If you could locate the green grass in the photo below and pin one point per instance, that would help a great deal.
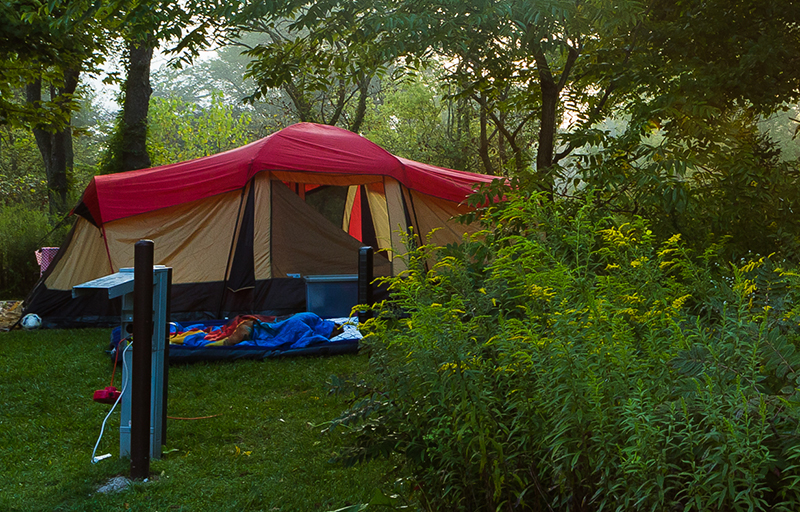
(264, 451)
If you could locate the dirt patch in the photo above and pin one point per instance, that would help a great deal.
(10, 313)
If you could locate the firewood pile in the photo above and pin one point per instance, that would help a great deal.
(10, 312)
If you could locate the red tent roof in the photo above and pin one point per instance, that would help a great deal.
(305, 147)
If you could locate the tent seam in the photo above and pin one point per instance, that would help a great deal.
(108, 252)
(236, 232)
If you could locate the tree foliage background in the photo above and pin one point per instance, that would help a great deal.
(622, 125)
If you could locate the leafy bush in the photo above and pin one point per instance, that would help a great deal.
(179, 130)
(567, 362)
(22, 177)
(22, 231)
(27, 189)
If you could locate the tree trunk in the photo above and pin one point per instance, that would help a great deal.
(462, 123)
(483, 147)
(547, 130)
(55, 145)
(361, 107)
(545, 155)
(520, 162)
(547, 133)
(300, 102)
(341, 99)
(135, 108)
(501, 141)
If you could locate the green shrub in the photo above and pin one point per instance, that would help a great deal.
(27, 189)
(564, 362)
(22, 231)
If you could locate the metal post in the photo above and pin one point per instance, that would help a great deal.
(166, 357)
(142, 353)
(365, 276)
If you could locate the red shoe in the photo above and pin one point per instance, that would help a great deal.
(108, 395)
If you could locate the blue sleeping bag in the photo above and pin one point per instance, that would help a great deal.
(297, 331)
(300, 334)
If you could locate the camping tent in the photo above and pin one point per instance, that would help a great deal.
(239, 227)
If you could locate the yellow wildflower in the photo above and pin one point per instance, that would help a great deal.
(680, 301)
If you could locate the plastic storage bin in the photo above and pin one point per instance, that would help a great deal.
(331, 296)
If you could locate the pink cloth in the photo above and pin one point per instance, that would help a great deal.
(44, 257)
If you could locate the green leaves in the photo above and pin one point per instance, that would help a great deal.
(321, 56)
(180, 131)
(21, 230)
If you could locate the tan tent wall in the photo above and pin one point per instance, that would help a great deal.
(380, 217)
(428, 213)
(262, 238)
(389, 220)
(85, 258)
(352, 190)
(193, 238)
(398, 225)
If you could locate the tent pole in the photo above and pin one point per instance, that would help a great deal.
(365, 276)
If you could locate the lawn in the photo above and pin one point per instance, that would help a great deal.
(264, 450)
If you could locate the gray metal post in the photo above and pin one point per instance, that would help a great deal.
(167, 315)
(142, 354)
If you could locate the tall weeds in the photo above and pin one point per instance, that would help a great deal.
(560, 361)
(22, 231)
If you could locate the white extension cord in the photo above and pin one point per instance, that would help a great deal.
(95, 460)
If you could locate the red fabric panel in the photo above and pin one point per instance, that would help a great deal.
(439, 181)
(322, 148)
(307, 147)
(355, 218)
(116, 196)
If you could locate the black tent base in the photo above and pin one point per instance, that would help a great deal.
(189, 303)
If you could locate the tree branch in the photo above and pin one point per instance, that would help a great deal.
(572, 56)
